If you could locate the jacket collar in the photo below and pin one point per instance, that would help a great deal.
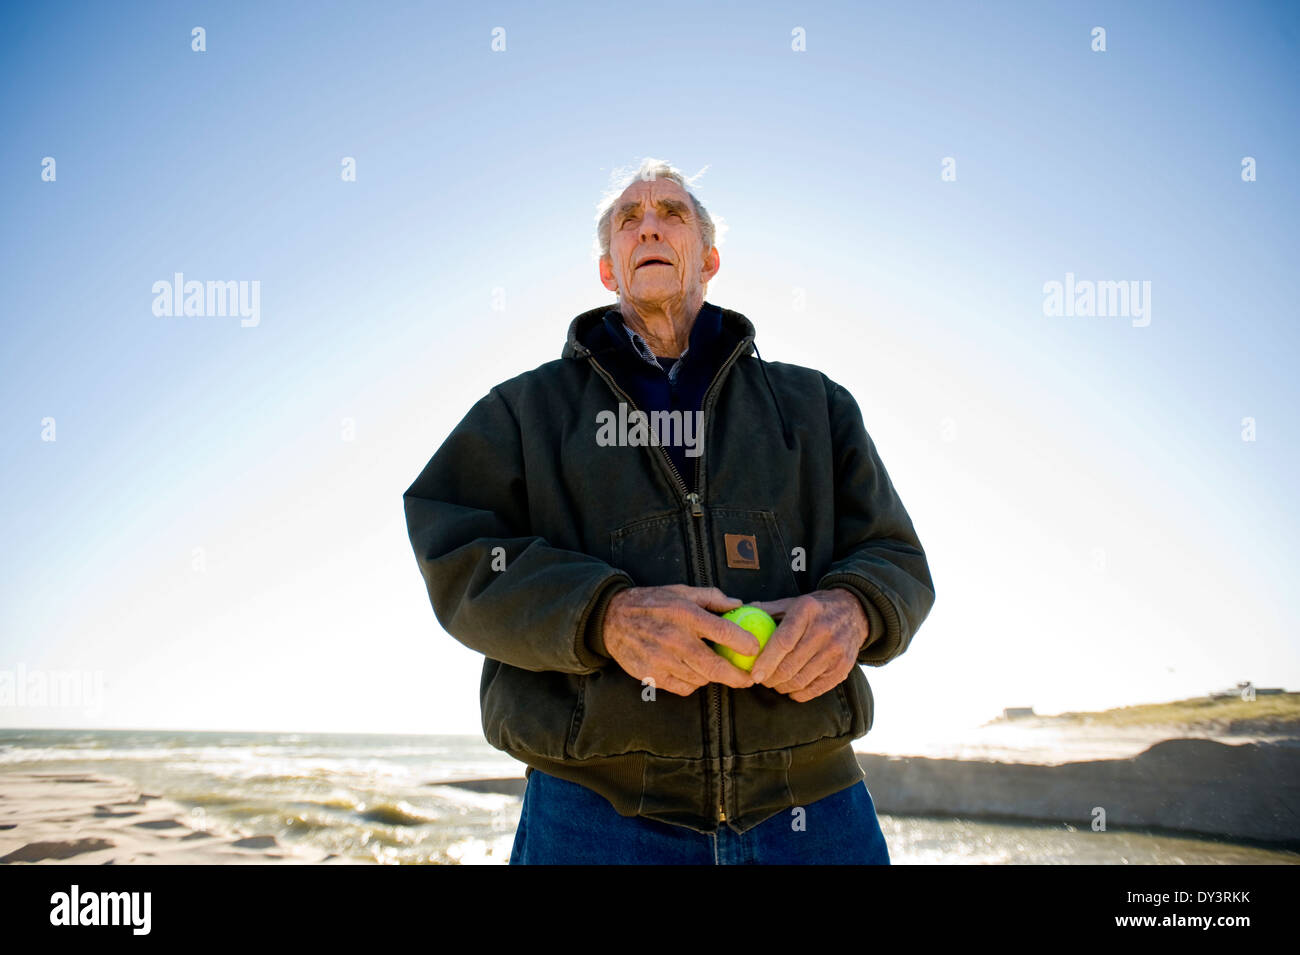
(586, 337)
(589, 336)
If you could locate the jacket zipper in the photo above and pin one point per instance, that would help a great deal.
(695, 500)
(713, 687)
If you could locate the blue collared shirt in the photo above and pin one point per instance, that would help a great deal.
(644, 351)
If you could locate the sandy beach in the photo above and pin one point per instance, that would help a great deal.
(89, 819)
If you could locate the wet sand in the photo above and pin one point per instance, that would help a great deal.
(89, 819)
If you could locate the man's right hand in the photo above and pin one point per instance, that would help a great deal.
(659, 632)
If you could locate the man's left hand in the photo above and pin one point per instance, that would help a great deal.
(816, 645)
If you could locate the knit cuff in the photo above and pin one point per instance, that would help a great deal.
(875, 621)
(595, 635)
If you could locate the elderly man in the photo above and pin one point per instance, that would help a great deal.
(589, 563)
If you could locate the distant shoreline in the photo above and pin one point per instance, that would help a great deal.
(1271, 714)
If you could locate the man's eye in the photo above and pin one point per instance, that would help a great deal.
(676, 213)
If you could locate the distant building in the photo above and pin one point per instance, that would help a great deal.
(1244, 689)
(1017, 712)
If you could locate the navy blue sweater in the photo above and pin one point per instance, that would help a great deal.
(650, 387)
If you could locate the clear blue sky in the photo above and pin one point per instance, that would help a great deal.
(1098, 531)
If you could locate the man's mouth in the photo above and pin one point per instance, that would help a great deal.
(654, 261)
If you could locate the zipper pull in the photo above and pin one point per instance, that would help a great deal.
(722, 816)
(694, 499)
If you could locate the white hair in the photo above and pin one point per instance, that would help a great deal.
(647, 170)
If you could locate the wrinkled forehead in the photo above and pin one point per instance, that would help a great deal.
(652, 190)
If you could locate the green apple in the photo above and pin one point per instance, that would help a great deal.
(756, 622)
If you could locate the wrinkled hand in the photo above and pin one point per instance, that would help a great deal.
(659, 633)
(816, 645)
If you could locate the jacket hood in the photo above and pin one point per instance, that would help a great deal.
(583, 341)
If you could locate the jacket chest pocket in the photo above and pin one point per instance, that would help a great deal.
(750, 555)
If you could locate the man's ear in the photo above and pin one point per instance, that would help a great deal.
(607, 278)
(712, 262)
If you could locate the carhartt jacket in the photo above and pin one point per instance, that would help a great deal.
(524, 525)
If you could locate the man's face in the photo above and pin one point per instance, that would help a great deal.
(656, 256)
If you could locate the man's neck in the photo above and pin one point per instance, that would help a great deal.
(666, 329)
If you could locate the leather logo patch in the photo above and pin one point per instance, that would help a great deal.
(742, 551)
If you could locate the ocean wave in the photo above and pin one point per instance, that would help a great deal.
(399, 813)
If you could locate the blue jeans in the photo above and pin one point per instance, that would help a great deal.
(563, 823)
